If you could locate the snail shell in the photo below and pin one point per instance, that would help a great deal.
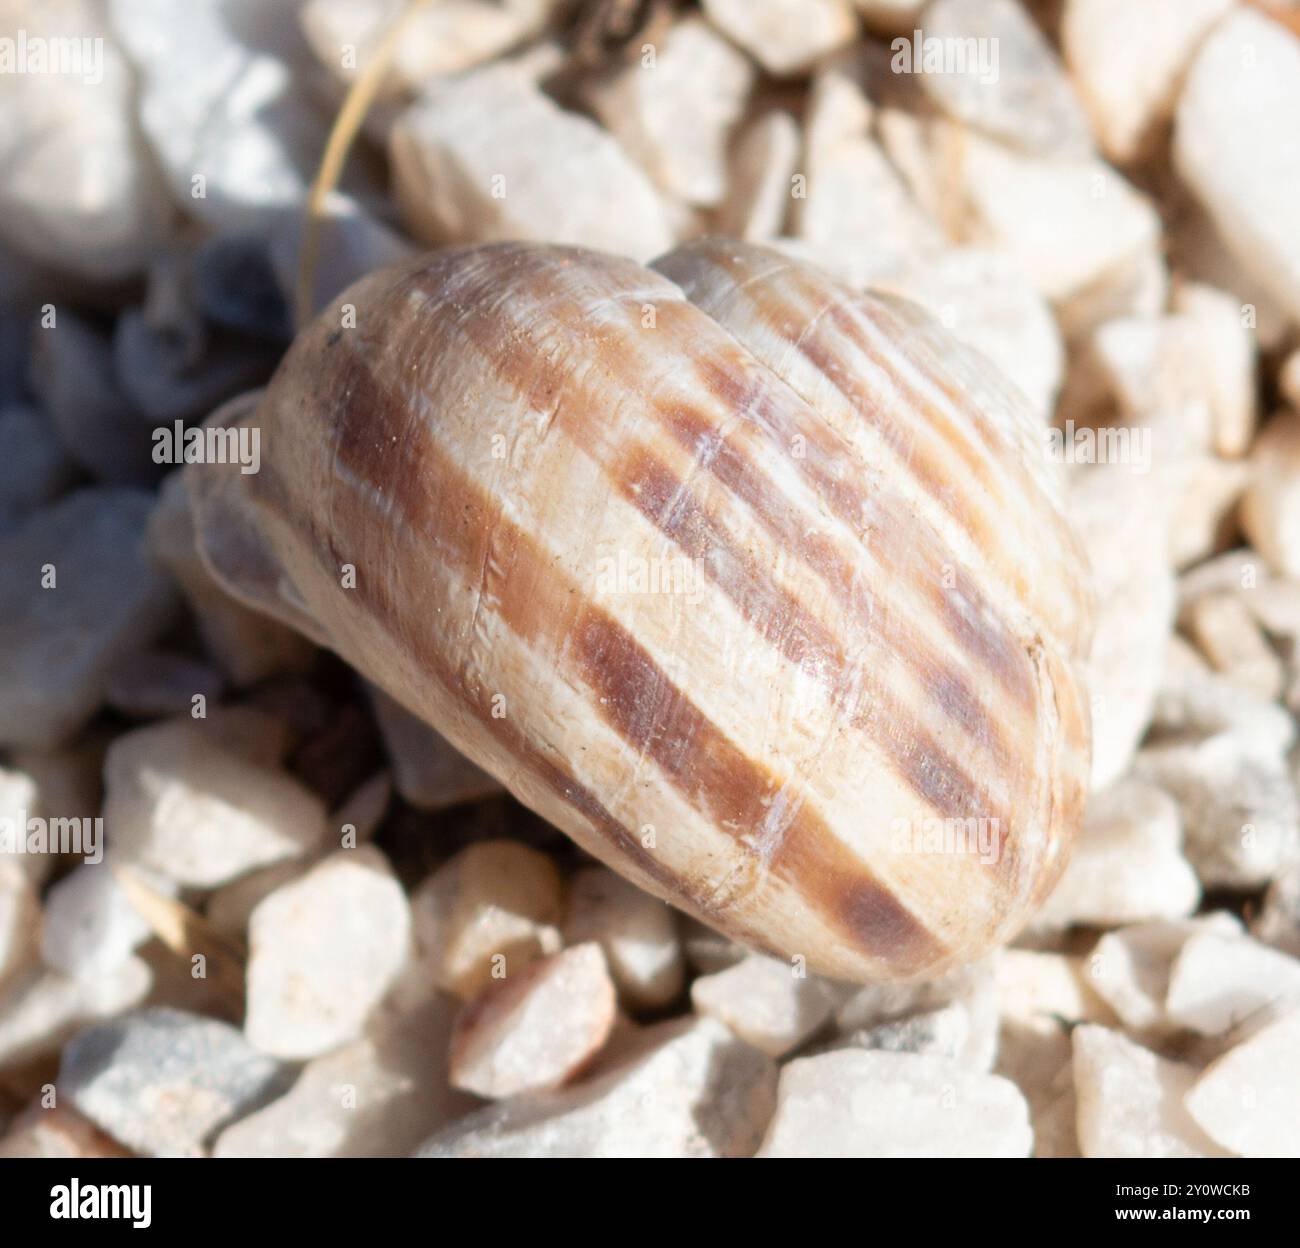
(850, 729)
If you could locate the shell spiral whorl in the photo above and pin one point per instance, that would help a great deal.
(757, 587)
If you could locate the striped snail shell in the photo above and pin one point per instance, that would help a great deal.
(844, 722)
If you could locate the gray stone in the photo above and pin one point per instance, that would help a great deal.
(59, 645)
(428, 770)
(73, 375)
(163, 1081)
(34, 468)
(152, 683)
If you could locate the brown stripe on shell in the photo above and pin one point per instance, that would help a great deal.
(736, 791)
(803, 308)
(375, 592)
(637, 698)
(893, 539)
(943, 783)
(747, 387)
(916, 757)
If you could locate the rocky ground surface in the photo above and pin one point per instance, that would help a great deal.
(313, 929)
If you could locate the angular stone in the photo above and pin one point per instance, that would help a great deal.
(76, 597)
(878, 1003)
(184, 803)
(1219, 983)
(1042, 990)
(34, 468)
(376, 1097)
(323, 951)
(234, 135)
(1227, 351)
(1226, 632)
(763, 161)
(494, 906)
(1203, 518)
(673, 110)
(784, 36)
(1128, 60)
(1241, 820)
(689, 1088)
(955, 1017)
(79, 192)
(1135, 285)
(1157, 372)
(428, 770)
(874, 1104)
(91, 926)
(446, 38)
(1069, 224)
(153, 683)
(489, 157)
(1199, 253)
(852, 185)
(1135, 596)
(162, 1081)
(1128, 865)
(1130, 1101)
(1130, 968)
(42, 1008)
(51, 784)
(637, 932)
(1270, 508)
(853, 194)
(1196, 707)
(1248, 1100)
(535, 1029)
(1234, 145)
(768, 1003)
(1022, 97)
(945, 1033)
